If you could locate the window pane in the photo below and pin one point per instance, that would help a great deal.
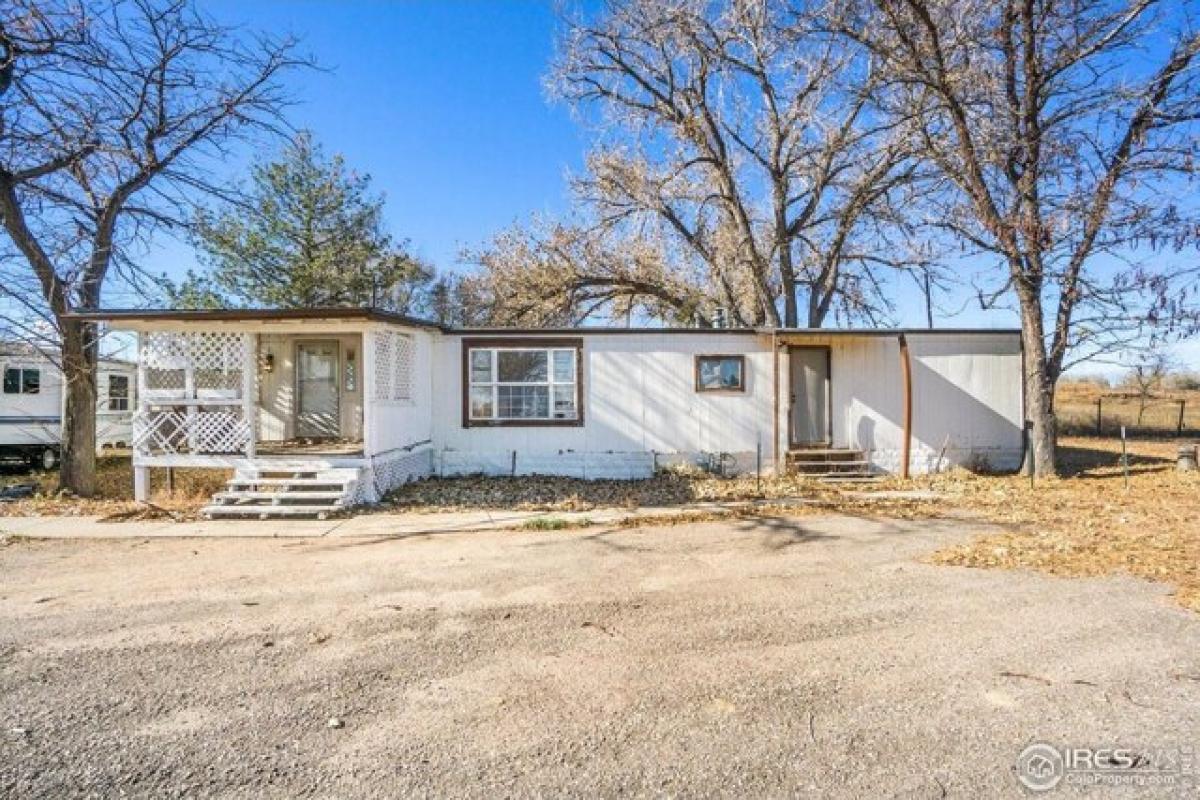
(481, 366)
(564, 401)
(720, 373)
(118, 392)
(31, 381)
(481, 403)
(524, 402)
(12, 381)
(522, 366)
(564, 366)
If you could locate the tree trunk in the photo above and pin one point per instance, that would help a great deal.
(77, 473)
(1039, 400)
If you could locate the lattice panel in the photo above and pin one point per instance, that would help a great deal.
(385, 474)
(215, 360)
(170, 431)
(394, 354)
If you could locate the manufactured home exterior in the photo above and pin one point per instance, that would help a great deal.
(360, 401)
(31, 405)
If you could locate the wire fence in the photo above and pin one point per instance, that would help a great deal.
(1104, 416)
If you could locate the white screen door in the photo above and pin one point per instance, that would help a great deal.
(317, 390)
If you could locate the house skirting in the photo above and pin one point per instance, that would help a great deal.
(588, 464)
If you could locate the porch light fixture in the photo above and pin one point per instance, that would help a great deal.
(269, 362)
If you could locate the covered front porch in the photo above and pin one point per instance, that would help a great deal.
(283, 410)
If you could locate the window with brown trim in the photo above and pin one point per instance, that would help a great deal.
(718, 373)
(522, 382)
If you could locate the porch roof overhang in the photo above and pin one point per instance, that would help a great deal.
(246, 318)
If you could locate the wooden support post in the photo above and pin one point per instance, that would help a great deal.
(906, 374)
(141, 484)
(1099, 416)
(1179, 424)
(249, 382)
(775, 460)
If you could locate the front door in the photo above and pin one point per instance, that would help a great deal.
(317, 414)
(809, 367)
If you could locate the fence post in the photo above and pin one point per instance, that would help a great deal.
(1099, 415)
(1179, 425)
(758, 467)
(1124, 458)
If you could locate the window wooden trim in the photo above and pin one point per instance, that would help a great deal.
(532, 342)
(741, 389)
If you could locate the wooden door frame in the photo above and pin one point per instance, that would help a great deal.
(337, 381)
(828, 396)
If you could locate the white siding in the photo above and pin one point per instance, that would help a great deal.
(399, 432)
(966, 398)
(639, 401)
(277, 388)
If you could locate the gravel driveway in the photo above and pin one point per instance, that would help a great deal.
(759, 658)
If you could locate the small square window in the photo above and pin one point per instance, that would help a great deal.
(12, 380)
(720, 373)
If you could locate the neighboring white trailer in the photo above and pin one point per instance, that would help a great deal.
(31, 406)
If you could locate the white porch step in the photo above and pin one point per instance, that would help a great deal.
(271, 489)
(284, 482)
(339, 494)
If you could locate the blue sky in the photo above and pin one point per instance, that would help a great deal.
(442, 103)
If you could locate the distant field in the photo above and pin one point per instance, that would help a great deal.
(1076, 404)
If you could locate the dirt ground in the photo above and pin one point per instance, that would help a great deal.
(770, 657)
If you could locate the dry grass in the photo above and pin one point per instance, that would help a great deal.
(114, 492)
(1084, 523)
(1088, 523)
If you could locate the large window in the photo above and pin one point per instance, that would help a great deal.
(522, 382)
(19, 380)
(118, 392)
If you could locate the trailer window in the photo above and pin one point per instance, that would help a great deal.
(118, 392)
(522, 382)
(22, 381)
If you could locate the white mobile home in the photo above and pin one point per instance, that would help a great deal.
(348, 403)
(31, 405)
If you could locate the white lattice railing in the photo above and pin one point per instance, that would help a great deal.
(191, 429)
(197, 393)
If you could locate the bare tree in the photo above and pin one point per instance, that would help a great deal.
(111, 116)
(1149, 376)
(552, 273)
(748, 137)
(1062, 138)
